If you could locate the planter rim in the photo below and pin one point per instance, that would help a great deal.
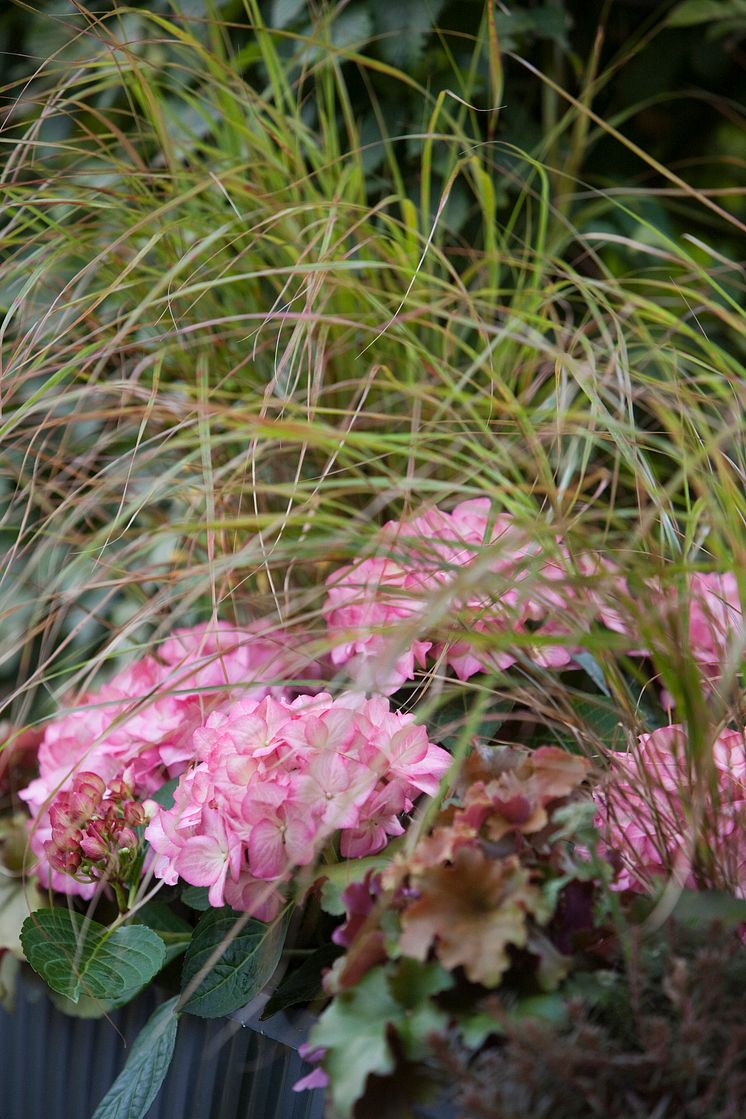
(289, 1028)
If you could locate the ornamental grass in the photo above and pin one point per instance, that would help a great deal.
(372, 512)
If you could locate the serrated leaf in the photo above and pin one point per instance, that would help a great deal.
(245, 965)
(355, 1028)
(75, 956)
(413, 985)
(304, 983)
(140, 1080)
(352, 28)
(594, 714)
(602, 719)
(196, 897)
(471, 913)
(544, 22)
(404, 29)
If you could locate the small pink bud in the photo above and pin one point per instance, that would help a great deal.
(66, 839)
(109, 812)
(90, 784)
(68, 862)
(126, 839)
(82, 806)
(98, 828)
(134, 814)
(93, 847)
(120, 790)
(60, 816)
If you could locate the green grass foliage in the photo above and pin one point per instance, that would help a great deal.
(238, 334)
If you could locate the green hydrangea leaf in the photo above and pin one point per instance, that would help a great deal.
(196, 898)
(76, 956)
(139, 1082)
(173, 930)
(245, 964)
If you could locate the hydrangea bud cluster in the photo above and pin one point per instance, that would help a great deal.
(93, 836)
(277, 781)
(650, 823)
(379, 610)
(138, 728)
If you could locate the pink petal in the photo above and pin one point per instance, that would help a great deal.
(201, 860)
(267, 855)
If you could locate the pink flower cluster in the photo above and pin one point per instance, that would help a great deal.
(714, 619)
(138, 728)
(379, 609)
(648, 820)
(385, 613)
(277, 780)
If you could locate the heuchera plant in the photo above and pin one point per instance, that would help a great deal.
(229, 774)
(491, 897)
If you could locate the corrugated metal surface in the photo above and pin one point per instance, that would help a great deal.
(56, 1067)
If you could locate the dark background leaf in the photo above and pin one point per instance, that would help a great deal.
(303, 984)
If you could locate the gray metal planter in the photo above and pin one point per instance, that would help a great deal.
(57, 1067)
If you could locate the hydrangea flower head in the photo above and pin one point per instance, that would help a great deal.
(383, 611)
(139, 727)
(715, 618)
(277, 780)
(645, 812)
(711, 623)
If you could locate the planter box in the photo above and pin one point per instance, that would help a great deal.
(57, 1067)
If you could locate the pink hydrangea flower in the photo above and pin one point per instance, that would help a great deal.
(139, 727)
(365, 603)
(715, 619)
(382, 612)
(276, 780)
(645, 812)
